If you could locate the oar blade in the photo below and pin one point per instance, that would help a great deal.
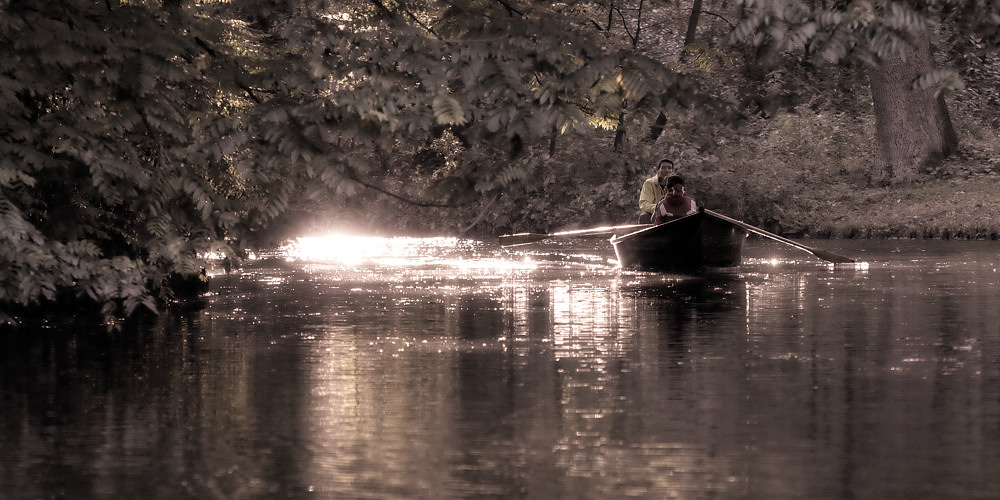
(830, 256)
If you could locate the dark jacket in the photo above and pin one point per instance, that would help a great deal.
(673, 206)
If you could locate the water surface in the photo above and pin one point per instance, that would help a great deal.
(446, 368)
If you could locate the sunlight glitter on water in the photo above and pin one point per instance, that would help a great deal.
(400, 251)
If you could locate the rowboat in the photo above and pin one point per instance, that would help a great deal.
(705, 239)
(698, 241)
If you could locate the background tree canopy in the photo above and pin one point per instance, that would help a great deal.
(138, 136)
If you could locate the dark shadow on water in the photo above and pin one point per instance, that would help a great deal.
(681, 313)
(480, 317)
(686, 296)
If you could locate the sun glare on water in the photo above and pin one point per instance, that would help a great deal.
(353, 250)
(349, 250)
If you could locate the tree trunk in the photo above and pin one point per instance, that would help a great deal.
(912, 125)
(692, 28)
(689, 37)
(619, 144)
(638, 25)
(657, 128)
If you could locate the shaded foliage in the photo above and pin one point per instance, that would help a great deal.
(140, 135)
(117, 163)
(893, 39)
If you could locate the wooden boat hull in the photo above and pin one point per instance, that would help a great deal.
(701, 240)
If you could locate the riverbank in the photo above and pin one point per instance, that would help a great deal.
(769, 179)
(958, 200)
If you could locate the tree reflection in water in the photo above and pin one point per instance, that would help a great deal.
(463, 371)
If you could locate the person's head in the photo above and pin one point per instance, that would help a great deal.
(675, 184)
(663, 168)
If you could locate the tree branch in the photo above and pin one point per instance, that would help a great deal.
(385, 10)
(628, 32)
(510, 8)
(482, 213)
(720, 16)
(400, 197)
(246, 88)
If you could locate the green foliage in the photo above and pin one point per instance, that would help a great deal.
(867, 30)
(138, 136)
(796, 171)
(708, 59)
(117, 143)
(893, 39)
(505, 80)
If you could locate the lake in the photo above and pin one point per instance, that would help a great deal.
(349, 367)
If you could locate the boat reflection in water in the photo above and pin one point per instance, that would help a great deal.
(450, 368)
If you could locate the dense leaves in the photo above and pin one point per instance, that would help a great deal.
(893, 39)
(138, 136)
(869, 31)
(120, 150)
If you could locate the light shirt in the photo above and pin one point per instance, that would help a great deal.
(651, 193)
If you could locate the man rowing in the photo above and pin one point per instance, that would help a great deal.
(652, 191)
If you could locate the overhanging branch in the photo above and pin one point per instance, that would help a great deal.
(401, 197)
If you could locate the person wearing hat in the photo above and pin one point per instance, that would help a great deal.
(675, 202)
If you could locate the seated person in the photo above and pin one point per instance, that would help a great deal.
(675, 202)
(653, 190)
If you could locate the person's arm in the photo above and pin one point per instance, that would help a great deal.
(647, 197)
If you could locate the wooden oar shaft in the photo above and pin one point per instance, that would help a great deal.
(523, 238)
(818, 252)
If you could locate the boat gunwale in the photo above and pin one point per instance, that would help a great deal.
(616, 238)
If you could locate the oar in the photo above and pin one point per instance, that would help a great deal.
(522, 238)
(818, 252)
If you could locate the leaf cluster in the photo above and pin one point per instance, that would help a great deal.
(867, 31)
(139, 136)
(119, 149)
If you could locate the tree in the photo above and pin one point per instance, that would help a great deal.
(692, 27)
(120, 127)
(503, 78)
(912, 121)
(893, 39)
(140, 135)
